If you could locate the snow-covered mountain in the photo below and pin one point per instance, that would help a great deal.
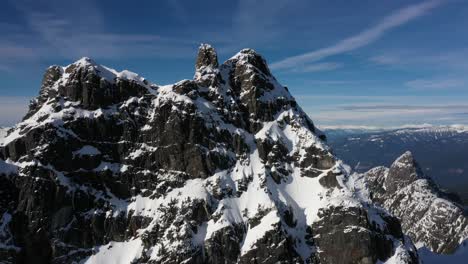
(442, 151)
(108, 167)
(429, 216)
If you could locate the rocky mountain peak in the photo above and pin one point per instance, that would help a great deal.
(88, 65)
(89, 83)
(206, 57)
(225, 168)
(406, 158)
(431, 217)
(84, 62)
(403, 171)
(52, 74)
(206, 67)
(251, 57)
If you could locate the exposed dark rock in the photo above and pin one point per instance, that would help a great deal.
(275, 247)
(207, 57)
(329, 180)
(347, 235)
(207, 170)
(224, 245)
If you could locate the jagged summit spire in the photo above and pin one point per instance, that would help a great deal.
(405, 160)
(404, 171)
(206, 66)
(406, 155)
(206, 57)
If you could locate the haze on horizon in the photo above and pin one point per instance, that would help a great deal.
(356, 63)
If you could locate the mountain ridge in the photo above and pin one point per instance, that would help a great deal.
(224, 168)
(456, 127)
(440, 150)
(405, 191)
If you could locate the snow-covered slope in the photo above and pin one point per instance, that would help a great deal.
(107, 167)
(429, 216)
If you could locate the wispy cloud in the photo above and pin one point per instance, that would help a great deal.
(435, 84)
(379, 110)
(73, 40)
(362, 39)
(453, 59)
(9, 50)
(390, 115)
(341, 82)
(253, 23)
(318, 67)
(385, 59)
(59, 30)
(402, 107)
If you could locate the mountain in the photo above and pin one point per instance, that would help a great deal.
(442, 151)
(107, 167)
(428, 215)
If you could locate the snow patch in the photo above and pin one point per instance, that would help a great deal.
(257, 232)
(117, 253)
(87, 150)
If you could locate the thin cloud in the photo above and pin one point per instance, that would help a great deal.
(386, 115)
(398, 18)
(58, 30)
(318, 67)
(13, 51)
(403, 107)
(83, 42)
(386, 59)
(254, 23)
(378, 110)
(441, 84)
(378, 128)
(449, 59)
(338, 82)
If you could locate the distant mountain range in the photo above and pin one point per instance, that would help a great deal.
(442, 151)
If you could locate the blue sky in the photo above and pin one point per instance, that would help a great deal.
(379, 63)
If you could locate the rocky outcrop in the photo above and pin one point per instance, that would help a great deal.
(352, 235)
(207, 58)
(224, 168)
(431, 217)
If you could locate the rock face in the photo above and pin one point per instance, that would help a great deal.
(429, 216)
(226, 168)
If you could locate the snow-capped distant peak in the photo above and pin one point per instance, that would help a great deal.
(400, 130)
